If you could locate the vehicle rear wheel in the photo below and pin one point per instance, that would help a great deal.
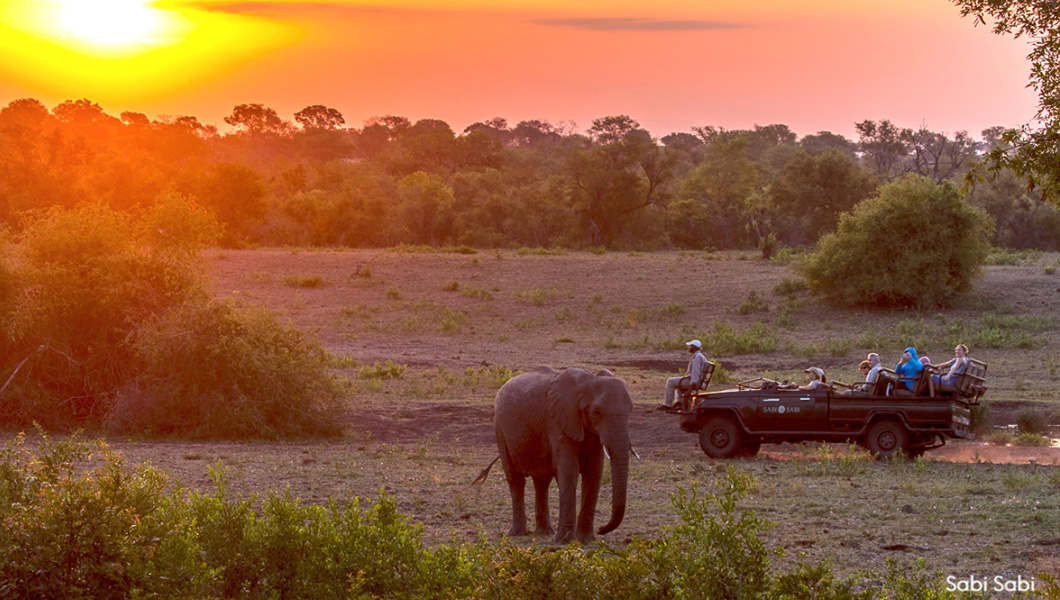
(720, 438)
(886, 438)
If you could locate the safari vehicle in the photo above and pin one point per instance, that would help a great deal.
(886, 417)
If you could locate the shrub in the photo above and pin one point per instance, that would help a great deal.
(716, 551)
(106, 531)
(1029, 420)
(210, 369)
(85, 279)
(113, 326)
(789, 287)
(917, 244)
(390, 370)
(753, 303)
(726, 340)
(1031, 439)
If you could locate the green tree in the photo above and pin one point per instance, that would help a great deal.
(425, 209)
(884, 146)
(823, 141)
(236, 194)
(319, 116)
(916, 244)
(812, 191)
(612, 183)
(712, 210)
(1032, 153)
(937, 156)
(257, 119)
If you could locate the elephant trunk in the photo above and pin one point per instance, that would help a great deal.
(619, 450)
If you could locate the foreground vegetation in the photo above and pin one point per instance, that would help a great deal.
(74, 528)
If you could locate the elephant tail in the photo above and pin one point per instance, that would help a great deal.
(485, 472)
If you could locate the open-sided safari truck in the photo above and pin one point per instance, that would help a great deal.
(887, 416)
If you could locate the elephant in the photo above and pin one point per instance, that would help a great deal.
(557, 424)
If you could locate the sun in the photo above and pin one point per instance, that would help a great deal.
(111, 23)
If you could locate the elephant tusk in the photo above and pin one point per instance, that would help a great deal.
(606, 453)
(633, 451)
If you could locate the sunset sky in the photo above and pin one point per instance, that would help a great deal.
(670, 64)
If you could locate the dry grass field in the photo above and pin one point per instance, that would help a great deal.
(454, 326)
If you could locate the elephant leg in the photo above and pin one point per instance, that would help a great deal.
(592, 463)
(517, 488)
(567, 480)
(541, 518)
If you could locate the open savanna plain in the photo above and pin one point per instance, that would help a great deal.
(424, 340)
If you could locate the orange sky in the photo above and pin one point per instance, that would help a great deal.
(670, 64)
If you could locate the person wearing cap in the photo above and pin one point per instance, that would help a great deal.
(695, 371)
(816, 378)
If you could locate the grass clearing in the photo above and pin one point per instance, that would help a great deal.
(966, 509)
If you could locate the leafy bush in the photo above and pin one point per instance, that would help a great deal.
(107, 322)
(239, 374)
(753, 303)
(67, 531)
(81, 281)
(726, 340)
(917, 244)
(789, 287)
(1031, 439)
(1030, 420)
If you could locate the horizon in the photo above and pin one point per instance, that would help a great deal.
(817, 65)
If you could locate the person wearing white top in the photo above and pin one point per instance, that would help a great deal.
(694, 373)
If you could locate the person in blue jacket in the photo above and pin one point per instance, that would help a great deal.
(909, 367)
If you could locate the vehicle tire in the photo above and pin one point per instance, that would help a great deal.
(886, 438)
(749, 449)
(720, 438)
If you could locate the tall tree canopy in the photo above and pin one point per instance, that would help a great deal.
(1033, 153)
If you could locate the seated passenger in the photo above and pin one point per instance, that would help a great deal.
(816, 379)
(956, 365)
(908, 368)
(865, 367)
(874, 368)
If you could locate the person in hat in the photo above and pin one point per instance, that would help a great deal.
(815, 379)
(694, 373)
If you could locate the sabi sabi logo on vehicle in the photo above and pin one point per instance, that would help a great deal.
(997, 583)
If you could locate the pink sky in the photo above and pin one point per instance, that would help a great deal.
(670, 64)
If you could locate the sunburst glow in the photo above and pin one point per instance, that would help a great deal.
(109, 22)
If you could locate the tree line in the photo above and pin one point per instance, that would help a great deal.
(315, 181)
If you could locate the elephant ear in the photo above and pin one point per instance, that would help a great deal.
(568, 399)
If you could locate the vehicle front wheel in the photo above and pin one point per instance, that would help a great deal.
(886, 438)
(720, 438)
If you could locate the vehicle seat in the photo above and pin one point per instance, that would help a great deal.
(701, 386)
(971, 382)
(885, 382)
